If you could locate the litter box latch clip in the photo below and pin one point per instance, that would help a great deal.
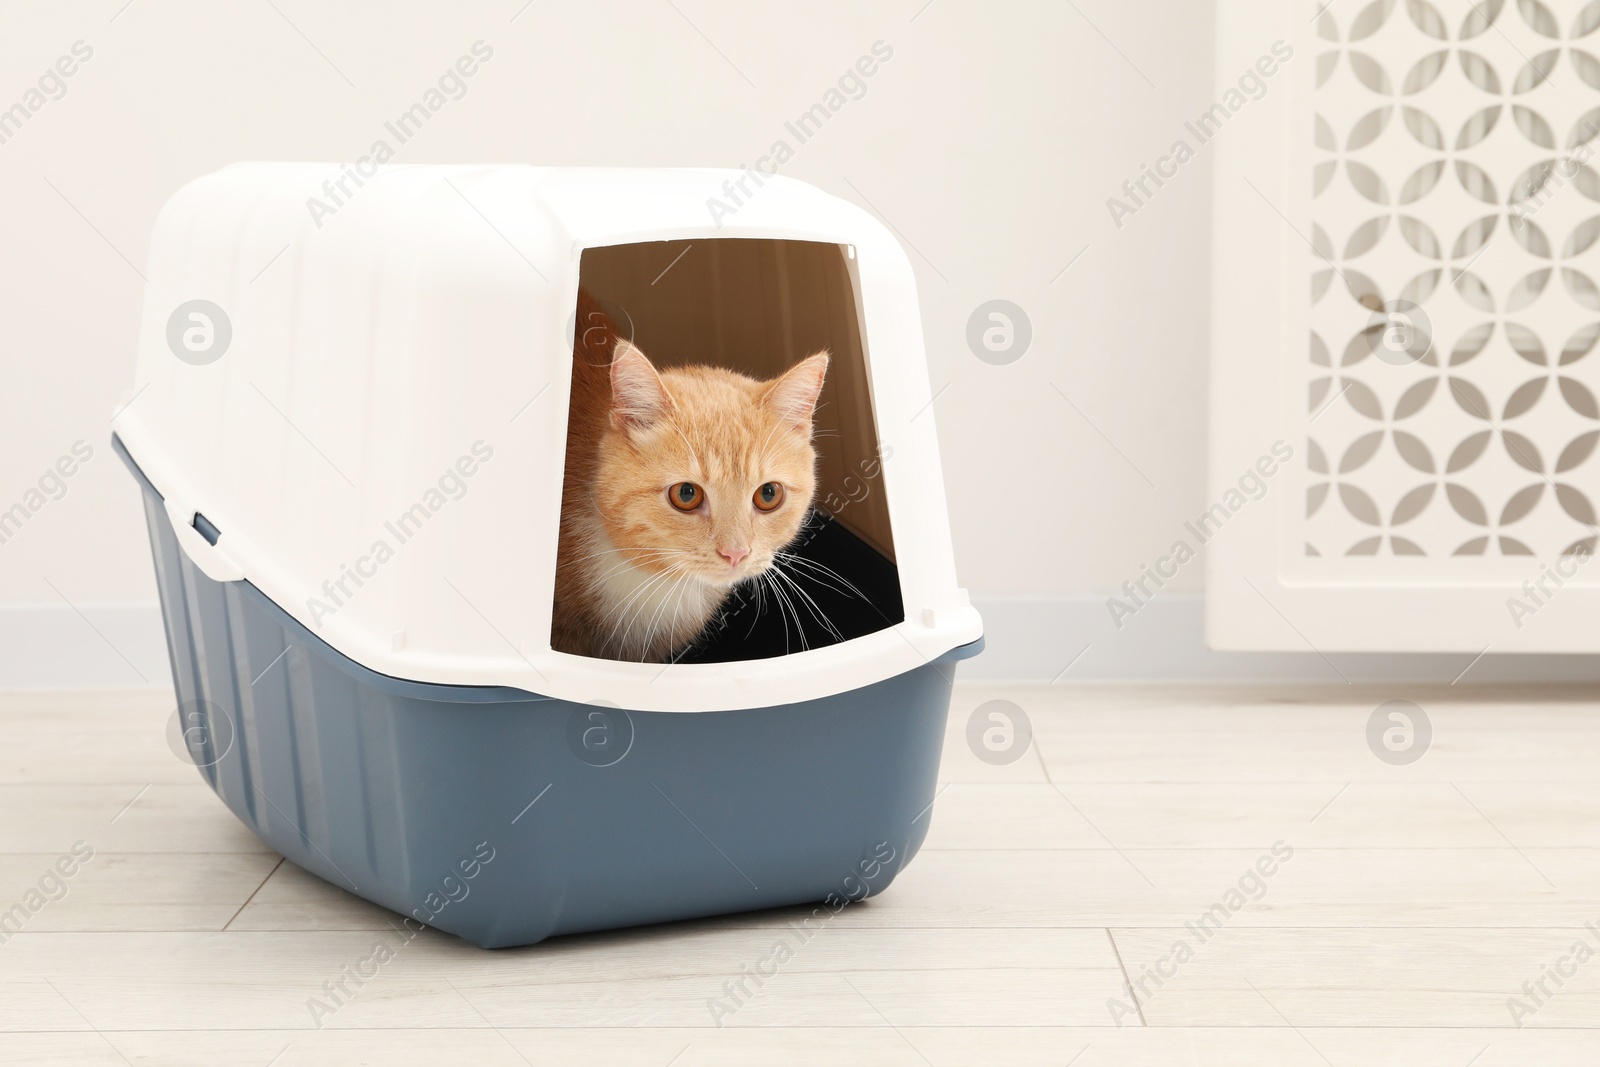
(202, 542)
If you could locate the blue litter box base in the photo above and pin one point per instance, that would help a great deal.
(504, 817)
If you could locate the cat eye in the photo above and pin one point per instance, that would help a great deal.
(768, 497)
(686, 496)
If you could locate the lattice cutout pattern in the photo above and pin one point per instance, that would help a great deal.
(1455, 290)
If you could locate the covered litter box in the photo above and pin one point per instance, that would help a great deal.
(349, 426)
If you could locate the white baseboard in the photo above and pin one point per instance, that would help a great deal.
(87, 646)
(1029, 639)
(1035, 638)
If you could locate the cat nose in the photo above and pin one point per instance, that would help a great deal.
(733, 555)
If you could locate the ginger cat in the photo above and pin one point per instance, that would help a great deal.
(680, 484)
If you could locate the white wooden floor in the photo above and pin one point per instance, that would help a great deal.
(1417, 902)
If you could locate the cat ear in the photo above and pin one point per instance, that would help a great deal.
(638, 399)
(794, 395)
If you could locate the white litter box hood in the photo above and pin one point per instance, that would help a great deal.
(421, 330)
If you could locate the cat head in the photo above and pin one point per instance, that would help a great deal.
(705, 472)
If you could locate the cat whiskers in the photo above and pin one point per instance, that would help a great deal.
(625, 563)
(679, 605)
(794, 609)
(614, 550)
(786, 610)
(811, 605)
(622, 559)
(677, 612)
(761, 606)
(821, 573)
(625, 612)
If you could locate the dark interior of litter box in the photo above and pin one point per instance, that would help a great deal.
(759, 307)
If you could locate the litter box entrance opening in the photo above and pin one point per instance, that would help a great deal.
(759, 307)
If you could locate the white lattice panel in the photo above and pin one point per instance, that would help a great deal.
(1407, 292)
(1452, 384)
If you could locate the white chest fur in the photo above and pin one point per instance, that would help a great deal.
(646, 614)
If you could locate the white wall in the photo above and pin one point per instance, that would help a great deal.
(990, 141)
